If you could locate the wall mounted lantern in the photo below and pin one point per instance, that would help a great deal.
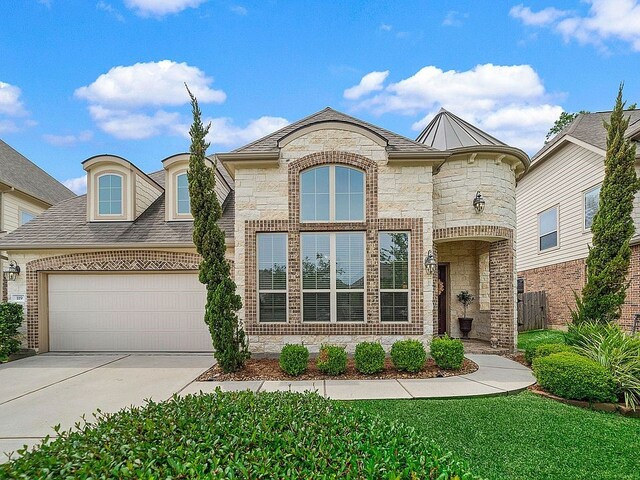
(430, 263)
(11, 273)
(478, 202)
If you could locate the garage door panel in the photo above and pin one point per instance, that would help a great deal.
(127, 312)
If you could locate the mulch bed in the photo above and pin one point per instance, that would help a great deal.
(602, 407)
(269, 369)
(517, 357)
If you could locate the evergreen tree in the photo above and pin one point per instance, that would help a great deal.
(229, 340)
(609, 257)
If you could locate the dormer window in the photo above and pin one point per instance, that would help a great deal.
(332, 193)
(110, 194)
(183, 205)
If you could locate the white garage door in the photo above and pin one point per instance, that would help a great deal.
(154, 312)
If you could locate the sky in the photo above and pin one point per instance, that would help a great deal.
(85, 77)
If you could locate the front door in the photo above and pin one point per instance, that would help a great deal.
(442, 299)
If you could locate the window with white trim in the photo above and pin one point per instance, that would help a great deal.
(110, 194)
(183, 201)
(272, 277)
(26, 217)
(333, 276)
(394, 276)
(591, 204)
(548, 229)
(332, 193)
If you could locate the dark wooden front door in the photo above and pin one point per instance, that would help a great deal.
(442, 299)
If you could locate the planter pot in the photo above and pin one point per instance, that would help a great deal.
(465, 326)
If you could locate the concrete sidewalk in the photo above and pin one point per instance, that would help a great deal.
(495, 376)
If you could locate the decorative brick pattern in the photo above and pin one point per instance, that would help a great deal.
(126, 261)
(371, 226)
(481, 232)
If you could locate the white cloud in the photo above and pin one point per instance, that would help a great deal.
(605, 21)
(77, 185)
(543, 17)
(128, 125)
(160, 8)
(371, 82)
(107, 7)
(68, 140)
(8, 126)
(454, 18)
(10, 103)
(509, 102)
(224, 132)
(239, 10)
(153, 83)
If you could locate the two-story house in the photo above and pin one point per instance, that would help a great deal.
(337, 230)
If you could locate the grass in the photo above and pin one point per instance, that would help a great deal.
(524, 436)
(533, 338)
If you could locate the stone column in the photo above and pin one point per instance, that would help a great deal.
(502, 293)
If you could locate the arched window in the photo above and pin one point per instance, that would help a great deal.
(332, 193)
(183, 202)
(110, 194)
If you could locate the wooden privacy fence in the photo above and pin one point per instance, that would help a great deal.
(532, 311)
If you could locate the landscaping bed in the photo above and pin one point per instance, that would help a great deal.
(269, 369)
(599, 406)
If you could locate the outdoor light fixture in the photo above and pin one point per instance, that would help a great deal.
(478, 202)
(430, 263)
(12, 271)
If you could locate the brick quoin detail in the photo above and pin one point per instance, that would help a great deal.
(501, 276)
(125, 261)
(371, 226)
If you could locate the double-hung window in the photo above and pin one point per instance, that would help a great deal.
(272, 277)
(333, 276)
(394, 276)
(332, 193)
(548, 229)
(591, 203)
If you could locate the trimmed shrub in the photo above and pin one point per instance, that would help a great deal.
(294, 359)
(369, 357)
(408, 355)
(575, 377)
(448, 353)
(544, 350)
(332, 360)
(240, 435)
(11, 315)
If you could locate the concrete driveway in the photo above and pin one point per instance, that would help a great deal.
(39, 392)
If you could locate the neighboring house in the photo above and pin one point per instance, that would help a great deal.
(556, 202)
(25, 192)
(328, 223)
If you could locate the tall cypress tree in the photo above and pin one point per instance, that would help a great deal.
(608, 260)
(229, 340)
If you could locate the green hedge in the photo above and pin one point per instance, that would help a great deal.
(448, 353)
(240, 435)
(369, 357)
(11, 315)
(575, 377)
(332, 360)
(294, 359)
(408, 355)
(544, 350)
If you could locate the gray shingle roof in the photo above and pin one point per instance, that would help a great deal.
(19, 172)
(65, 225)
(589, 128)
(396, 143)
(447, 131)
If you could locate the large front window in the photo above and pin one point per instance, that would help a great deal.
(394, 276)
(110, 195)
(272, 277)
(332, 193)
(333, 277)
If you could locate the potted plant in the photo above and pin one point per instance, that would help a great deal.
(466, 299)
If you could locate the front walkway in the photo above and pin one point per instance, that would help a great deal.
(495, 376)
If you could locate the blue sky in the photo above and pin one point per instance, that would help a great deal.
(83, 77)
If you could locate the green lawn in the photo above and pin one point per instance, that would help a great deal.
(524, 436)
(533, 338)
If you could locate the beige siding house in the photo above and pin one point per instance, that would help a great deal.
(330, 224)
(556, 201)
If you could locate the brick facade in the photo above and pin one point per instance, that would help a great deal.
(125, 261)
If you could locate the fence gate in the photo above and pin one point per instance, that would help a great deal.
(532, 311)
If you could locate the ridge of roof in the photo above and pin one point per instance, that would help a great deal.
(19, 172)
